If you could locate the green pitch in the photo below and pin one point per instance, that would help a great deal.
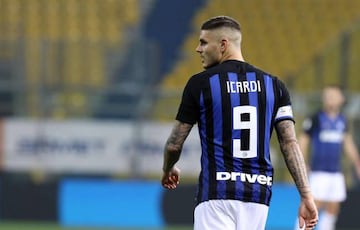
(53, 226)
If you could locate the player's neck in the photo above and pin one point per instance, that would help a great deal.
(332, 113)
(233, 56)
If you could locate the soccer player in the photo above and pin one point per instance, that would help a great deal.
(326, 132)
(236, 107)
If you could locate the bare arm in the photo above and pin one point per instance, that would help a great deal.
(294, 159)
(172, 151)
(293, 156)
(174, 144)
(352, 152)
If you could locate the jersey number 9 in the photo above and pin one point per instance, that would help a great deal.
(249, 124)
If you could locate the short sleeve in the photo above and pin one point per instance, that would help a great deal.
(284, 109)
(188, 111)
(309, 124)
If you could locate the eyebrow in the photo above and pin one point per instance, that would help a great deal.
(202, 40)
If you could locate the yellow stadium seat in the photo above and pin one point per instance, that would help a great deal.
(66, 41)
(280, 36)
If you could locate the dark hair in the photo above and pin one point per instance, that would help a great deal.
(220, 21)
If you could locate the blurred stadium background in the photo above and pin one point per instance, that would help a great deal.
(89, 88)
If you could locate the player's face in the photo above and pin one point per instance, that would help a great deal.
(209, 48)
(333, 99)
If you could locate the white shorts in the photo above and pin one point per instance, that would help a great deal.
(230, 215)
(327, 186)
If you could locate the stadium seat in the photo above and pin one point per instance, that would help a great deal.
(66, 42)
(280, 36)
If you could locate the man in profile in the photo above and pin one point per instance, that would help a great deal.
(236, 107)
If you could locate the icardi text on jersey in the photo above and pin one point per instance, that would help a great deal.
(236, 106)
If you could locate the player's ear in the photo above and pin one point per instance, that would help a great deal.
(224, 44)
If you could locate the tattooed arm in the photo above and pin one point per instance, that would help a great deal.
(172, 153)
(295, 163)
(292, 154)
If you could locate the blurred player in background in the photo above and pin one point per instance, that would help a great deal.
(236, 107)
(327, 135)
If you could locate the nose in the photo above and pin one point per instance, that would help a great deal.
(198, 49)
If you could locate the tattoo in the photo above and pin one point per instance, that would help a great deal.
(175, 143)
(292, 155)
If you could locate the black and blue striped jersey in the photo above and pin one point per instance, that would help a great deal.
(327, 136)
(235, 106)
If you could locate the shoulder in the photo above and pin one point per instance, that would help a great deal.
(343, 116)
(344, 120)
(199, 77)
(252, 68)
(195, 83)
(314, 117)
(269, 76)
(195, 80)
(311, 121)
(316, 114)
